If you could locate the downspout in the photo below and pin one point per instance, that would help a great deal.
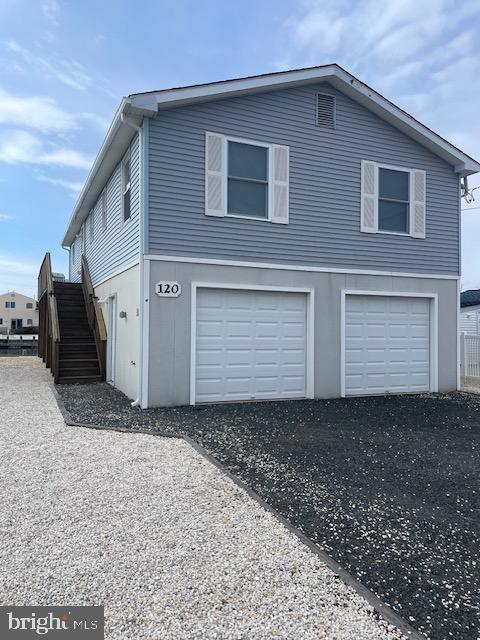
(67, 249)
(138, 401)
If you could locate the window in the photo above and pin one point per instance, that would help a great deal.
(84, 238)
(104, 208)
(1, 320)
(246, 179)
(73, 250)
(92, 224)
(30, 322)
(126, 187)
(10, 304)
(29, 305)
(393, 200)
(247, 188)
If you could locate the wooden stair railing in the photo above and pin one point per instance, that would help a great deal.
(95, 317)
(49, 329)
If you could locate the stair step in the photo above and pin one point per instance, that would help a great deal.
(73, 321)
(76, 345)
(78, 379)
(89, 353)
(79, 371)
(83, 360)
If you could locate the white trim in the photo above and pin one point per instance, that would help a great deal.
(145, 348)
(310, 321)
(297, 267)
(116, 273)
(112, 307)
(433, 297)
(342, 343)
(459, 376)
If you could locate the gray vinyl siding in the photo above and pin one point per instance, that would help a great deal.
(118, 245)
(324, 228)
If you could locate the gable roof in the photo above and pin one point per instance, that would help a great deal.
(147, 104)
(470, 298)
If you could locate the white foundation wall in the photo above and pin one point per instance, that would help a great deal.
(126, 287)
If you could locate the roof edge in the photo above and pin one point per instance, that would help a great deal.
(105, 161)
(335, 74)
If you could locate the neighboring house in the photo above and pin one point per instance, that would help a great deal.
(470, 312)
(289, 235)
(17, 311)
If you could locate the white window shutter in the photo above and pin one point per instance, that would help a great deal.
(280, 187)
(215, 174)
(417, 202)
(369, 204)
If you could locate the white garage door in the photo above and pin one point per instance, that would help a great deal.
(387, 344)
(249, 345)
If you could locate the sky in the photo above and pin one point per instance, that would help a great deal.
(65, 65)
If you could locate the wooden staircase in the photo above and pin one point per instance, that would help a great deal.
(72, 336)
(77, 358)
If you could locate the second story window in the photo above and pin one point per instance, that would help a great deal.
(10, 304)
(84, 238)
(126, 186)
(247, 190)
(246, 179)
(104, 208)
(73, 250)
(92, 225)
(29, 305)
(393, 200)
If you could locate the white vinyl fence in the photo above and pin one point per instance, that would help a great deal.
(470, 355)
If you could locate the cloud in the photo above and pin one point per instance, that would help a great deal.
(69, 72)
(74, 187)
(51, 10)
(23, 147)
(18, 275)
(37, 112)
(4, 217)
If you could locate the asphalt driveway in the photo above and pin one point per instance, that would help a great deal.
(389, 487)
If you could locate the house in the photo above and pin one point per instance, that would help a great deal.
(287, 235)
(469, 312)
(17, 311)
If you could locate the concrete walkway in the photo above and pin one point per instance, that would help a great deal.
(147, 527)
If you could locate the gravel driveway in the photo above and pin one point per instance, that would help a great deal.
(388, 486)
(149, 528)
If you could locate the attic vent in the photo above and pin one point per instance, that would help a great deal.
(325, 111)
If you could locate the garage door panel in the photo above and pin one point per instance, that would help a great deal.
(387, 344)
(250, 344)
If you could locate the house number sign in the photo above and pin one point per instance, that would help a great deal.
(168, 289)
